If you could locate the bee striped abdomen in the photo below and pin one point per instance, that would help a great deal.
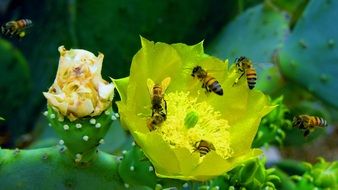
(24, 23)
(214, 86)
(318, 121)
(203, 147)
(251, 77)
(203, 150)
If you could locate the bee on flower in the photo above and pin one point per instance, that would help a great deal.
(245, 66)
(203, 147)
(159, 105)
(208, 82)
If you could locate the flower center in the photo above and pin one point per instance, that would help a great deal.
(191, 124)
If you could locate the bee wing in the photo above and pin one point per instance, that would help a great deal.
(212, 147)
(260, 67)
(150, 85)
(165, 83)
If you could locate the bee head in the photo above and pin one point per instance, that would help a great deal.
(239, 59)
(297, 122)
(195, 70)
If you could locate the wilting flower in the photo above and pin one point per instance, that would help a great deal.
(78, 89)
(224, 126)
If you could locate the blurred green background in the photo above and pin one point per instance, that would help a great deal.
(292, 43)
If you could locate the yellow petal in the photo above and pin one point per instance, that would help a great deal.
(207, 169)
(58, 101)
(121, 86)
(161, 155)
(243, 130)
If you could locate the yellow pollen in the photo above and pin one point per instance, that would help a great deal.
(189, 122)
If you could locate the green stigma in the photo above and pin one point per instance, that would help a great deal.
(191, 119)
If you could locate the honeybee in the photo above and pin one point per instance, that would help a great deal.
(208, 82)
(245, 66)
(308, 123)
(156, 119)
(203, 147)
(158, 103)
(17, 27)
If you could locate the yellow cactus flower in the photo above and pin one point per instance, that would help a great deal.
(203, 134)
(78, 89)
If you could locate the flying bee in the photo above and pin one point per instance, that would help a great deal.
(308, 123)
(208, 82)
(158, 103)
(203, 147)
(245, 66)
(17, 27)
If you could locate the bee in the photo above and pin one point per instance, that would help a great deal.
(17, 27)
(203, 147)
(156, 119)
(308, 123)
(208, 82)
(245, 66)
(158, 103)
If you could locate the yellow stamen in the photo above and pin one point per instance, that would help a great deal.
(189, 121)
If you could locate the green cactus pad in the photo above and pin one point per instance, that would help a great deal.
(83, 135)
(15, 84)
(256, 34)
(309, 57)
(136, 169)
(50, 168)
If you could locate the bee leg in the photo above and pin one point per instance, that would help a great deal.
(306, 132)
(13, 30)
(207, 91)
(241, 74)
(7, 32)
(206, 88)
(236, 81)
(165, 106)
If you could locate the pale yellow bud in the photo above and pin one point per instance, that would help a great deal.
(78, 89)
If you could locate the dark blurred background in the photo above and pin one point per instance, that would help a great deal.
(111, 27)
(275, 32)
